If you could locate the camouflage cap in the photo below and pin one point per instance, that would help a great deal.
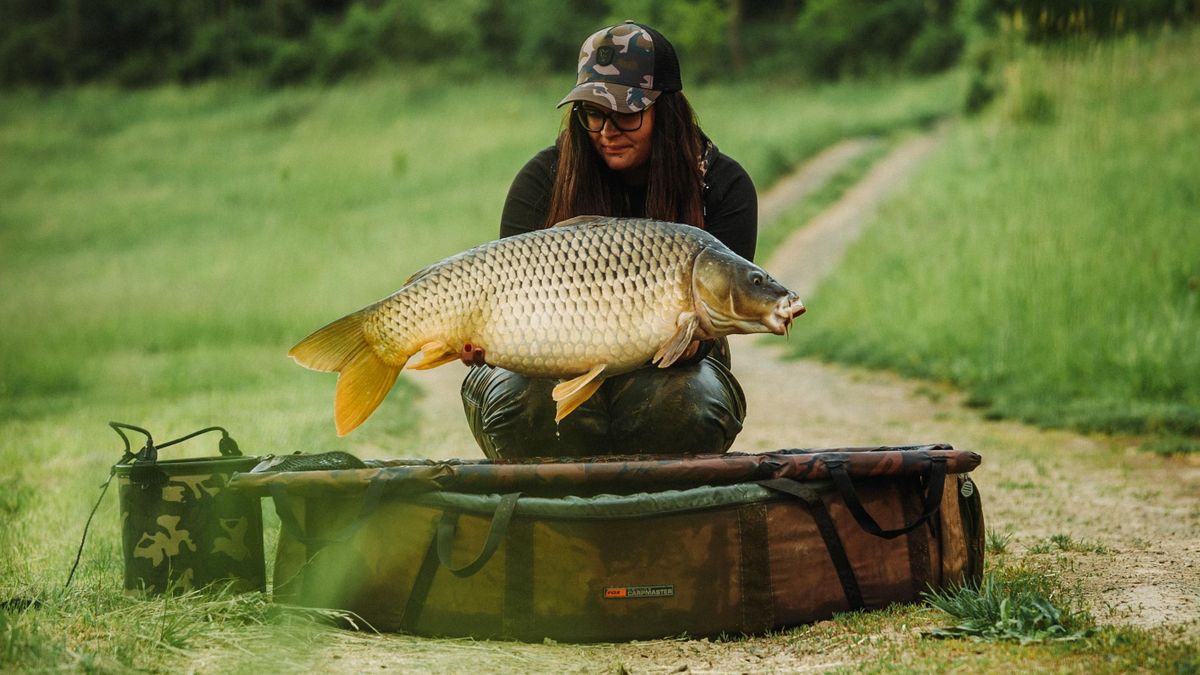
(624, 68)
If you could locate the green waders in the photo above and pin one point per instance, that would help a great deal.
(697, 408)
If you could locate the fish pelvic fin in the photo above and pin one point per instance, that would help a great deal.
(434, 354)
(364, 378)
(677, 344)
(571, 394)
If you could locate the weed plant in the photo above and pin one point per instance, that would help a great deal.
(1046, 259)
(1065, 542)
(996, 542)
(1014, 604)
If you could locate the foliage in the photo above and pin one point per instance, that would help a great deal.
(1044, 260)
(1046, 20)
(996, 542)
(145, 42)
(856, 37)
(1011, 605)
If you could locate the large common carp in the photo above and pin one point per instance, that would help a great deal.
(587, 299)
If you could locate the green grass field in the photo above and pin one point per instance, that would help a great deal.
(1048, 258)
(160, 251)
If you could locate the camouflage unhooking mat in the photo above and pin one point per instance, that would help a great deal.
(619, 548)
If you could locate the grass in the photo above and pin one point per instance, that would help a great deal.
(161, 249)
(1065, 542)
(1016, 605)
(996, 542)
(770, 235)
(1022, 617)
(1045, 259)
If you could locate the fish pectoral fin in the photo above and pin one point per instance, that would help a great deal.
(434, 354)
(678, 343)
(577, 220)
(362, 384)
(570, 394)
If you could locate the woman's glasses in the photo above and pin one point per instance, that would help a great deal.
(593, 119)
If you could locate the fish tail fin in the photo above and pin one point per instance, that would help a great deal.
(362, 384)
(364, 378)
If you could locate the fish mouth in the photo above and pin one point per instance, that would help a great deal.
(787, 309)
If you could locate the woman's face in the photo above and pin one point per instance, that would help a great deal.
(625, 151)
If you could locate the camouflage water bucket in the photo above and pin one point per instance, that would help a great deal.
(182, 527)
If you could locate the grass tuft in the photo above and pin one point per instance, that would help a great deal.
(1171, 445)
(1011, 605)
(1065, 542)
(997, 542)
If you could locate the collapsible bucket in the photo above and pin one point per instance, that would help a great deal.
(181, 526)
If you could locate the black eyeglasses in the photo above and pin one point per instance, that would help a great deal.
(593, 119)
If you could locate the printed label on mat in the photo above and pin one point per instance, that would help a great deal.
(624, 592)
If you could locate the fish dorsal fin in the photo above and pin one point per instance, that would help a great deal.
(571, 394)
(419, 273)
(678, 343)
(578, 220)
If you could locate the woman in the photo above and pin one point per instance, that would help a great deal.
(630, 147)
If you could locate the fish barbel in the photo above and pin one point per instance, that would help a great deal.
(584, 300)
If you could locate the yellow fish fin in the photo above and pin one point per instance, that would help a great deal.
(570, 394)
(364, 378)
(577, 220)
(434, 354)
(361, 386)
(678, 343)
(330, 348)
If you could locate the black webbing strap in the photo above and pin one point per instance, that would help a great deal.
(518, 619)
(449, 523)
(420, 590)
(758, 607)
(833, 543)
(920, 568)
(287, 515)
(933, 497)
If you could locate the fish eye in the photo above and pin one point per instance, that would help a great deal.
(757, 279)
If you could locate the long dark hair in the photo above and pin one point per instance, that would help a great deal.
(584, 185)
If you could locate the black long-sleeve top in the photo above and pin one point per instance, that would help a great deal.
(730, 201)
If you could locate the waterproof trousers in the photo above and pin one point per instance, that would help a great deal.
(696, 408)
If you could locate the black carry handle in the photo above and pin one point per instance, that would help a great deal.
(933, 497)
(149, 453)
(287, 515)
(829, 534)
(449, 522)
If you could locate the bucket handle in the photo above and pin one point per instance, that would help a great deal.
(449, 523)
(149, 453)
(932, 500)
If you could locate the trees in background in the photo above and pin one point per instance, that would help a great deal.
(143, 42)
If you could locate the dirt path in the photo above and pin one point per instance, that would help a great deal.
(1133, 519)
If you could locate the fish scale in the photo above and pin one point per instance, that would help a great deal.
(587, 299)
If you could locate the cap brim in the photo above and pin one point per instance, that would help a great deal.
(616, 97)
